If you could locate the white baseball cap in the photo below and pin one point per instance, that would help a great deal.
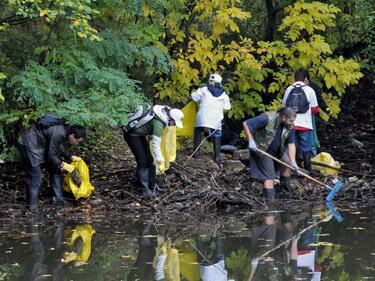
(216, 78)
(177, 115)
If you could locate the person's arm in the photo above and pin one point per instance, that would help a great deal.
(286, 94)
(292, 152)
(57, 142)
(247, 131)
(157, 133)
(252, 125)
(313, 102)
(197, 95)
(227, 106)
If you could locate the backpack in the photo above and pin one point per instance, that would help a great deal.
(297, 99)
(48, 120)
(143, 115)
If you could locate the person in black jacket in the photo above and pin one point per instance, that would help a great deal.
(42, 146)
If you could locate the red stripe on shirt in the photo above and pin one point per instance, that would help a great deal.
(299, 128)
(315, 110)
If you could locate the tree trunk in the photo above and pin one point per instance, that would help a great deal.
(271, 21)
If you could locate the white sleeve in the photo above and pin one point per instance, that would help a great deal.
(196, 96)
(156, 141)
(227, 105)
(159, 270)
(286, 95)
(313, 100)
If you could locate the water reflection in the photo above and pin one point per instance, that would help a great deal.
(286, 251)
(290, 244)
(42, 262)
(147, 242)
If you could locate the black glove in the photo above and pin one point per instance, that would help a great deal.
(76, 177)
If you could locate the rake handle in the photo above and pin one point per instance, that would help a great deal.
(290, 167)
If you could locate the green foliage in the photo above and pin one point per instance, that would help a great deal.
(238, 265)
(256, 74)
(309, 17)
(303, 48)
(76, 83)
(93, 61)
(2, 77)
(77, 13)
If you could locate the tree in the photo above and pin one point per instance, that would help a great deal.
(256, 73)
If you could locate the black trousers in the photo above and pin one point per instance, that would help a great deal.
(146, 170)
(34, 177)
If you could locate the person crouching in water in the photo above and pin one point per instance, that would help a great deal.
(149, 122)
(213, 101)
(274, 133)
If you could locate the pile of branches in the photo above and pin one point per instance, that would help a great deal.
(200, 186)
(193, 187)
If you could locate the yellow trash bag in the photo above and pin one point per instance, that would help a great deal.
(325, 158)
(167, 146)
(189, 265)
(190, 114)
(172, 265)
(85, 232)
(83, 191)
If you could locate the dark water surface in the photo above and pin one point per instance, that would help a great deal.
(294, 244)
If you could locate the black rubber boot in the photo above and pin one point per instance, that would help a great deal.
(217, 143)
(32, 199)
(154, 186)
(56, 182)
(144, 183)
(285, 183)
(197, 141)
(269, 195)
(307, 160)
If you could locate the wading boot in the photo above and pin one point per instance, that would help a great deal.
(144, 183)
(197, 141)
(285, 184)
(154, 186)
(217, 143)
(56, 182)
(269, 195)
(307, 160)
(32, 200)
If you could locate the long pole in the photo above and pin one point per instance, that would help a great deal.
(290, 167)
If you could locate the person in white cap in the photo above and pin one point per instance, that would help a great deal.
(149, 122)
(213, 101)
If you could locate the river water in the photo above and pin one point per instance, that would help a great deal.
(302, 243)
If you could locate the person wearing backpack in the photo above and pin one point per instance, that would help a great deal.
(213, 101)
(148, 124)
(274, 133)
(302, 99)
(315, 144)
(41, 146)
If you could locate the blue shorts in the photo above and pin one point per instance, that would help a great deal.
(216, 134)
(303, 141)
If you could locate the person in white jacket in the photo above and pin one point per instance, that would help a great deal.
(213, 101)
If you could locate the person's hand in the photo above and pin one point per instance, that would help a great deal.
(252, 145)
(67, 167)
(76, 158)
(296, 168)
(161, 167)
(76, 177)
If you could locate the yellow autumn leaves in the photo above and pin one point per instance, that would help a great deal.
(201, 51)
